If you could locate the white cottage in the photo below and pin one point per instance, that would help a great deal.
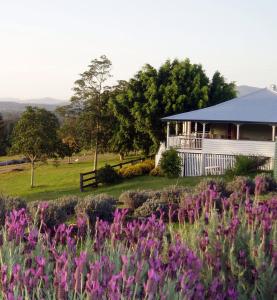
(208, 139)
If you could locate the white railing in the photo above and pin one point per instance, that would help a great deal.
(199, 164)
(191, 142)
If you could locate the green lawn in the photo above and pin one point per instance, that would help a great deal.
(53, 182)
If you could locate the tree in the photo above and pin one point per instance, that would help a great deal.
(177, 86)
(123, 135)
(68, 132)
(90, 98)
(36, 136)
(221, 91)
(2, 136)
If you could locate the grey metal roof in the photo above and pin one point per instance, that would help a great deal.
(257, 107)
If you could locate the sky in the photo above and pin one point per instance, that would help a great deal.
(45, 45)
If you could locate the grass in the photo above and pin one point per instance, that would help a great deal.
(53, 182)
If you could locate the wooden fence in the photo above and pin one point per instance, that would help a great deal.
(89, 179)
(198, 164)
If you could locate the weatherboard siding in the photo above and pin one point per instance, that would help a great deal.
(234, 147)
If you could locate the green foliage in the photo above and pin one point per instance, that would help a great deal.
(90, 104)
(7, 204)
(171, 163)
(221, 91)
(245, 165)
(101, 206)
(137, 170)
(2, 136)
(177, 86)
(36, 136)
(107, 174)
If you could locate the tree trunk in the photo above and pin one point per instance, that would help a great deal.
(95, 154)
(32, 173)
(121, 156)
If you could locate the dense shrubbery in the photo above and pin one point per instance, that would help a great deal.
(138, 169)
(107, 174)
(170, 163)
(245, 165)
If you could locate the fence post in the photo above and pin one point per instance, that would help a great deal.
(81, 182)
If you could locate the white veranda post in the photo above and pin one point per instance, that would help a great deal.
(184, 128)
(273, 132)
(204, 129)
(238, 127)
(176, 128)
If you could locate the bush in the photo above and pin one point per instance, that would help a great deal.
(151, 206)
(264, 183)
(157, 172)
(67, 203)
(137, 170)
(173, 194)
(133, 200)
(245, 165)
(7, 204)
(54, 214)
(101, 206)
(171, 163)
(107, 175)
(240, 184)
(211, 183)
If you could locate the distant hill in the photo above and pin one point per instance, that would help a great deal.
(17, 106)
(246, 89)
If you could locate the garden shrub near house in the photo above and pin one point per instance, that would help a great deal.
(171, 163)
(244, 165)
(138, 169)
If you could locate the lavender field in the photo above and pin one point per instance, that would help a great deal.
(206, 248)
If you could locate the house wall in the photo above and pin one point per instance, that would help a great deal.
(235, 147)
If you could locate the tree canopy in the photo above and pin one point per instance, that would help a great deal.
(127, 116)
(177, 86)
(36, 136)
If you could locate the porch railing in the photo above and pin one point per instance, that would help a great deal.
(191, 142)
